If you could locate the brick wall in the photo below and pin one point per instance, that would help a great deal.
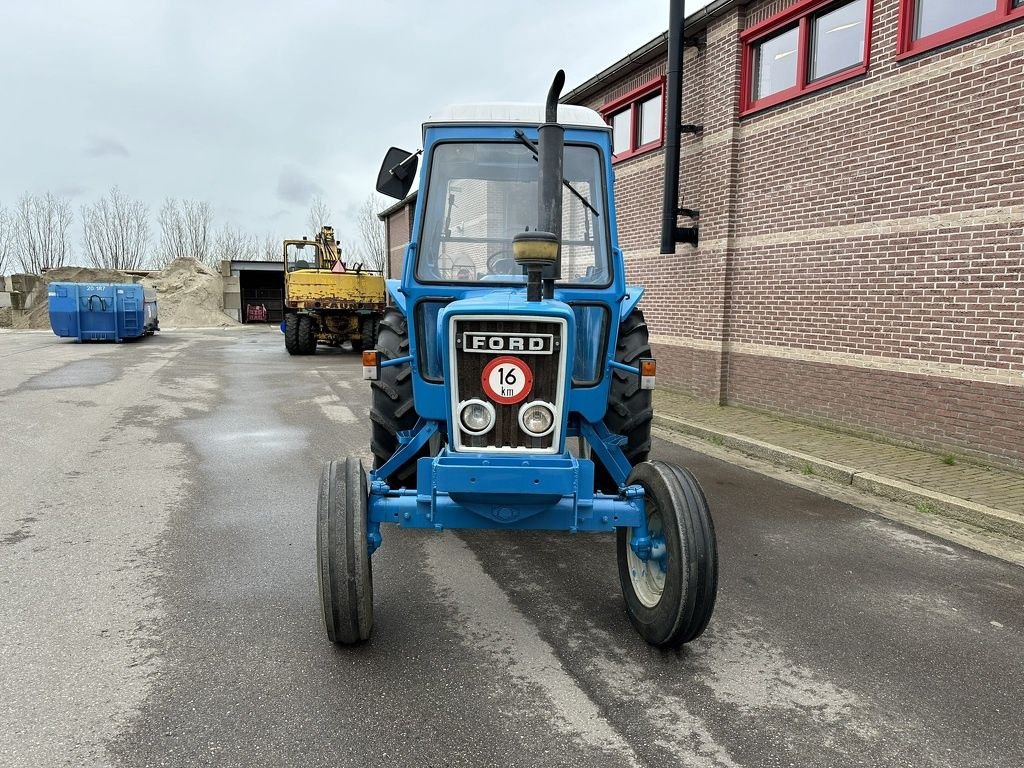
(861, 259)
(398, 232)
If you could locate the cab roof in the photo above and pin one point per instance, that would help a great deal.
(569, 115)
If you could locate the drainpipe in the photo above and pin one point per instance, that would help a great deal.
(671, 232)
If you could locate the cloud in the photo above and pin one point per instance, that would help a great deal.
(297, 188)
(104, 146)
(70, 190)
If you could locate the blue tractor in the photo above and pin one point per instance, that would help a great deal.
(511, 380)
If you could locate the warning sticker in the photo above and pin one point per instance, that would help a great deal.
(507, 380)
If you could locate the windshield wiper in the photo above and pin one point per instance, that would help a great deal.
(533, 148)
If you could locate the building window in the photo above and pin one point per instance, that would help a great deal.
(927, 24)
(637, 120)
(808, 46)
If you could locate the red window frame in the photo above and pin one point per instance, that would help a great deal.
(907, 46)
(632, 101)
(799, 16)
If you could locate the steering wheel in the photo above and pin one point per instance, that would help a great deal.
(501, 263)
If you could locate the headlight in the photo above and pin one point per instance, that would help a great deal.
(476, 416)
(537, 419)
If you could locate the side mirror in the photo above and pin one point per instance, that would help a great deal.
(397, 173)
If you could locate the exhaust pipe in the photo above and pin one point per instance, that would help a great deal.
(550, 158)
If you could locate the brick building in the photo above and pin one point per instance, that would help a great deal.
(859, 177)
(397, 233)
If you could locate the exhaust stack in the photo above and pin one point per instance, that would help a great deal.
(550, 158)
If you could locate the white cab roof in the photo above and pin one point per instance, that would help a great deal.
(522, 114)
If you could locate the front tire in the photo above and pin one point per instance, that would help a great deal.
(291, 334)
(342, 553)
(669, 600)
(306, 335)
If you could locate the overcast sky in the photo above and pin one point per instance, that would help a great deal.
(256, 106)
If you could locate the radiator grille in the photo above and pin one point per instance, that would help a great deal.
(469, 368)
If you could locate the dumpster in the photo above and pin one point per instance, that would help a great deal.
(102, 311)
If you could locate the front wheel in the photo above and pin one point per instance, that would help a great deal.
(342, 553)
(291, 334)
(671, 595)
(306, 335)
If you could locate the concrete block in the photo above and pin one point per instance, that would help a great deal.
(232, 301)
(25, 283)
(5, 299)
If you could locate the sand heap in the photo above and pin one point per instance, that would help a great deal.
(189, 295)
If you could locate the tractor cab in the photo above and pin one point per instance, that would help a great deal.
(511, 380)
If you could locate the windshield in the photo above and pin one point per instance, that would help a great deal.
(482, 194)
(302, 256)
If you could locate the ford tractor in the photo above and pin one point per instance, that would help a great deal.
(511, 380)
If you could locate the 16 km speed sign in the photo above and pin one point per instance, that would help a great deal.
(507, 380)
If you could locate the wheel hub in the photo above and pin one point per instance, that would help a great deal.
(648, 576)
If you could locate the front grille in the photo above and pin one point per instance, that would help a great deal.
(468, 372)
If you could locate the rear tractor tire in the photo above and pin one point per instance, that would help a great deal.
(670, 596)
(342, 553)
(630, 410)
(392, 408)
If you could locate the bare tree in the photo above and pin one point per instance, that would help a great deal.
(371, 232)
(6, 238)
(172, 233)
(198, 220)
(185, 231)
(319, 215)
(115, 231)
(232, 243)
(271, 249)
(41, 224)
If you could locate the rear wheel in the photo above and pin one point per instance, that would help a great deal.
(291, 334)
(307, 335)
(630, 410)
(367, 334)
(342, 553)
(392, 408)
(671, 595)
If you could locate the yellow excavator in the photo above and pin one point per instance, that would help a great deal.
(326, 300)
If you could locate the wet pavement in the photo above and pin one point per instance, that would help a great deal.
(160, 607)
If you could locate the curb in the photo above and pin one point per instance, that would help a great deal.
(926, 501)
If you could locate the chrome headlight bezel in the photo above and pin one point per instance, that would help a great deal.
(544, 405)
(488, 408)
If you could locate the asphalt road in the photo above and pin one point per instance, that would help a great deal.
(158, 603)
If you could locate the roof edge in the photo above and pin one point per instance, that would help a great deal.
(397, 206)
(649, 51)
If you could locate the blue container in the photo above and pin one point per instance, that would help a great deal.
(102, 311)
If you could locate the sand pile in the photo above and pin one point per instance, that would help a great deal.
(189, 295)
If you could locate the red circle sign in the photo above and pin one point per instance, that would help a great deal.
(507, 380)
